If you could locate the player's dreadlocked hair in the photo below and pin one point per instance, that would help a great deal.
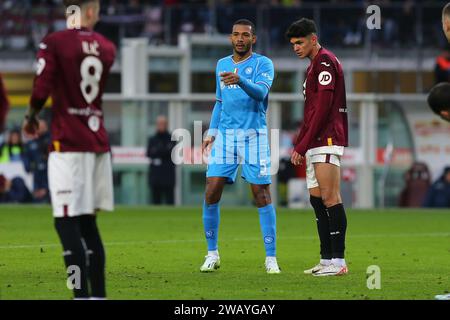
(301, 28)
(446, 10)
(246, 22)
(439, 97)
(68, 3)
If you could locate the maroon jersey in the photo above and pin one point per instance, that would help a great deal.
(73, 66)
(4, 105)
(325, 112)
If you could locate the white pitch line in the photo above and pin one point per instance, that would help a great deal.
(122, 243)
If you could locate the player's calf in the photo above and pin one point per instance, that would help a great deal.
(74, 253)
(96, 255)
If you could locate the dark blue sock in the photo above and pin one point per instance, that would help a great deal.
(211, 219)
(267, 220)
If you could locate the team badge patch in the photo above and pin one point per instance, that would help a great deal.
(209, 234)
(94, 123)
(325, 78)
(268, 239)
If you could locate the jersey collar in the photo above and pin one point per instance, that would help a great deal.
(250, 56)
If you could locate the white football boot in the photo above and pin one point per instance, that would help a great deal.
(315, 269)
(212, 263)
(272, 265)
(331, 270)
(442, 297)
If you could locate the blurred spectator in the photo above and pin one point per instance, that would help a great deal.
(442, 68)
(35, 158)
(417, 182)
(438, 195)
(4, 105)
(14, 191)
(12, 150)
(162, 169)
(153, 28)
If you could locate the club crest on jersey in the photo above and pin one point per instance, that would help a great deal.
(94, 123)
(325, 78)
(268, 239)
(248, 70)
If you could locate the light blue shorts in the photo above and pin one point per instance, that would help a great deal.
(230, 151)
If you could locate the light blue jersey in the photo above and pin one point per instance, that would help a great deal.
(239, 119)
(239, 110)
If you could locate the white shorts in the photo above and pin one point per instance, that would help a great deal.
(80, 183)
(327, 154)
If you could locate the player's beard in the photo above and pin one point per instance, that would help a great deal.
(242, 51)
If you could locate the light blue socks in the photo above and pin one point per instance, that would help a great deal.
(211, 218)
(267, 220)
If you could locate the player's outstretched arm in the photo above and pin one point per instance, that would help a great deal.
(257, 91)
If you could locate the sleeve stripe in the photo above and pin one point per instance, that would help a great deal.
(220, 100)
(268, 87)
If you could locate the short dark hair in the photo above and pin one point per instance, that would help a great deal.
(446, 10)
(439, 97)
(301, 28)
(246, 22)
(68, 3)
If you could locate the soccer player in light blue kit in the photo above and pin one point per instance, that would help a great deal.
(238, 135)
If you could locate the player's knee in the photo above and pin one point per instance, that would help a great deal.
(212, 196)
(262, 198)
(330, 199)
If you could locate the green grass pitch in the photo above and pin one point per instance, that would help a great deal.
(155, 253)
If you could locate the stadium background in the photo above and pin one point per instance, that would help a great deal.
(167, 56)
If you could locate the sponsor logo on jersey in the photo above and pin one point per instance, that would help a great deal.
(325, 64)
(325, 78)
(267, 76)
(304, 89)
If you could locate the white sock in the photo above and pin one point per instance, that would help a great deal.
(338, 262)
(325, 262)
(213, 253)
(271, 259)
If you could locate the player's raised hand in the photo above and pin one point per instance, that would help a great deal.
(296, 158)
(230, 78)
(30, 127)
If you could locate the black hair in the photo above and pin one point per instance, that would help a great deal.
(246, 22)
(439, 97)
(301, 28)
